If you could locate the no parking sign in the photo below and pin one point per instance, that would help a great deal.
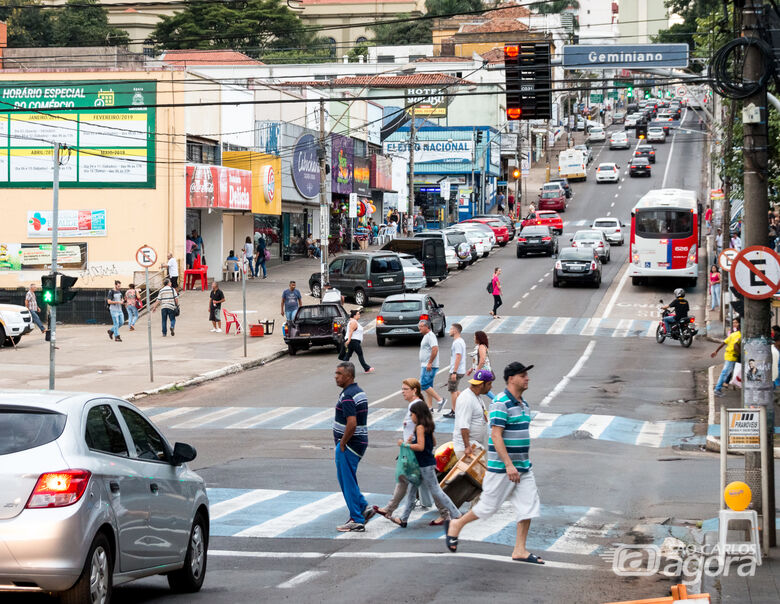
(755, 272)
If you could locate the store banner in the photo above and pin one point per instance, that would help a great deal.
(266, 171)
(72, 223)
(306, 166)
(381, 173)
(362, 176)
(341, 164)
(449, 151)
(37, 256)
(219, 187)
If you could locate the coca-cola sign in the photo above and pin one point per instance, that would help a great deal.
(306, 166)
(219, 187)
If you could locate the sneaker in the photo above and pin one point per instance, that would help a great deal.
(117, 339)
(173, 333)
(351, 527)
(441, 404)
(218, 330)
(368, 513)
(132, 328)
(111, 333)
(213, 329)
(450, 415)
(719, 393)
(165, 334)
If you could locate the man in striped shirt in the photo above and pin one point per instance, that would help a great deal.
(509, 475)
(350, 434)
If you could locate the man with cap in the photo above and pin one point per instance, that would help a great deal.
(509, 475)
(471, 415)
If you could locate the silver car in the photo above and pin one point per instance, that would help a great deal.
(414, 273)
(612, 229)
(595, 240)
(92, 495)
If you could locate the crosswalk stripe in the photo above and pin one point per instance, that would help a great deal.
(258, 419)
(596, 424)
(202, 420)
(171, 413)
(526, 325)
(621, 331)
(223, 508)
(541, 422)
(573, 538)
(311, 421)
(377, 415)
(652, 434)
(495, 325)
(651, 329)
(487, 527)
(537, 325)
(558, 326)
(591, 327)
(466, 322)
(280, 524)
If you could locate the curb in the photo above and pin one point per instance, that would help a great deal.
(209, 376)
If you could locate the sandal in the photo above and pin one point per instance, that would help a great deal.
(380, 511)
(452, 542)
(531, 559)
(437, 522)
(398, 521)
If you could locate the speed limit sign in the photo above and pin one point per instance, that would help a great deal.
(146, 256)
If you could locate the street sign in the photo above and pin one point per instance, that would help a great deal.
(634, 56)
(596, 97)
(755, 272)
(146, 256)
(444, 189)
(353, 200)
(726, 257)
(525, 168)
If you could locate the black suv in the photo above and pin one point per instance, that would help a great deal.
(363, 275)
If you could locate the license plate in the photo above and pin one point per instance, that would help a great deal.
(388, 279)
(403, 330)
(576, 267)
(534, 240)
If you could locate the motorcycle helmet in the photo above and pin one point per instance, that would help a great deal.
(679, 293)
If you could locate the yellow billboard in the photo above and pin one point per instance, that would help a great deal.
(266, 178)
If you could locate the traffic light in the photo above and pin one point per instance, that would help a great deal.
(48, 288)
(65, 294)
(516, 173)
(641, 130)
(630, 91)
(54, 294)
(528, 81)
(647, 94)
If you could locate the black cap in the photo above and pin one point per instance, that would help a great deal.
(514, 368)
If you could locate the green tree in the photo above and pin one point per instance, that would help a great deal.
(254, 27)
(554, 6)
(418, 31)
(689, 11)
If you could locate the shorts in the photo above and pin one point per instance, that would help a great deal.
(497, 488)
(426, 378)
(453, 383)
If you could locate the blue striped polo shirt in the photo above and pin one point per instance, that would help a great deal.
(515, 418)
(352, 401)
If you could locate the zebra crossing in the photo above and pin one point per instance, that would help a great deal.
(612, 428)
(557, 326)
(281, 514)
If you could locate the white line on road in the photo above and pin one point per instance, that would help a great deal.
(567, 378)
(223, 508)
(608, 213)
(573, 538)
(495, 325)
(671, 150)
(301, 578)
(533, 287)
(612, 205)
(378, 415)
(285, 522)
(595, 425)
(613, 299)
(516, 304)
(616, 194)
(258, 419)
(651, 435)
(558, 326)
(547, 274)
(525, 295)
(542, 279)
(620, 187)
(166, 415)
(209, 417)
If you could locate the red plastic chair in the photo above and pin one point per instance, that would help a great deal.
(198, 271)
(231, 319)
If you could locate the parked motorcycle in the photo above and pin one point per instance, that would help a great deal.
(683, 331)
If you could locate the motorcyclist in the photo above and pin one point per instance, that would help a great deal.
(680, 307)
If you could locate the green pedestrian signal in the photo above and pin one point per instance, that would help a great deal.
(48, 287)
(54, 294)
(630, 91)
(647, 94)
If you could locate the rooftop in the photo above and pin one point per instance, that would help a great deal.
(403, 81)
(207, 57)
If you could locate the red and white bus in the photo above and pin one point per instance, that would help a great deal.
(664, 236)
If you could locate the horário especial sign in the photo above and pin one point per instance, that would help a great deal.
(108, 128)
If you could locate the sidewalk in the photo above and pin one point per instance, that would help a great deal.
(87, 360)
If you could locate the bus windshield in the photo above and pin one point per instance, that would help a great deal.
(660, 224)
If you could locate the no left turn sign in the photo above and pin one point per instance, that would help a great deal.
(755, 272)
(726, 257)
(146, 256)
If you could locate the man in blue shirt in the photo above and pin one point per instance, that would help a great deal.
(291, 300)
(350, 434)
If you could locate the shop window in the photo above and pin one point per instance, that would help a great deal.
(202, 153)
(359, 148)
(269, 228)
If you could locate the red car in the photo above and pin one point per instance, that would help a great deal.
(552, 199)
(499, 228)
(546, 218)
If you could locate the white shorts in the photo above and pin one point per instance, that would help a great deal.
(497, 488)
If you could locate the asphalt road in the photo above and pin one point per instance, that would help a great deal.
(616, 450)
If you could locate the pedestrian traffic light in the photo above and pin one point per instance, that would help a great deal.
(48, 286)
(647, 94)
(64, 294)
(54, 294)
(528, 81)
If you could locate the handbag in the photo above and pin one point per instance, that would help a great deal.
(138, 304)
(407, 466)
(266, 254)
(177, 312)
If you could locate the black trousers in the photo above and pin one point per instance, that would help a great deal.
(356, 347)
(496, 302)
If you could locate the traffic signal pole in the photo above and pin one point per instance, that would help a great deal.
(54, 242)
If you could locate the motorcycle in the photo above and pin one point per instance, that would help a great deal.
(681, 330)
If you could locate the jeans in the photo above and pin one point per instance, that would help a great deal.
(439, 497)
(728, 367)
(260, 261)
(118, 318)
(290, 314)
(168, 315)
(132, 314)
(356, 347)
(496, 302)
(37, 320)
(668, 322)
(715, 292)
(346, 470)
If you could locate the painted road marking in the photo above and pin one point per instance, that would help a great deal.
(209, 417)
(300, 578)
(560, 386)
(495, 325)
(595, 425)
(280, 524)
(230, 506)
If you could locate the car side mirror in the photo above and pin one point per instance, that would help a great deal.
(441, 305)
(571, 238)
(182, 453)
(622, 224)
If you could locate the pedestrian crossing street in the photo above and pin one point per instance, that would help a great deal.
(279, 514)
(544, 425)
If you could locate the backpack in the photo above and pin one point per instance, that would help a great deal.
(490, 287)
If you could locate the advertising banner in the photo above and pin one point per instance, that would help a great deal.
(108, 127)
(381, 173)
(306, 166)
(266, 173)
(433, 151)
(35, 256)
(341, 164)
(72, 223)
(219, 187)
(362, 177)
(427, 102)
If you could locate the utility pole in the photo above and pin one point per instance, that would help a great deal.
(726, 208)
(54, 243)
(324, 205)
(410, 208)
(474, 209)
(756, 322)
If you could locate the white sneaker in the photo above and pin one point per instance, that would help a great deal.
(213, 329)
(218, 330)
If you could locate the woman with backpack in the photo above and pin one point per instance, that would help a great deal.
(495, 289)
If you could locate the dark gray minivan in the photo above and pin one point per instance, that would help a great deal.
(363, 275)
(430, 252)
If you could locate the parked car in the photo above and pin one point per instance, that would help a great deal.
(656, 135)
(544, 217)
(594, 240)
(500, 230)
(316, 325)
(639, 166)
(577, 266)
(456, 242)
(579, 124)
(536, 239)
(92, 496)
(612, 229)
(646, 151)
(619, 140)
(414, 273)
(474, 240)
(363, 275)
(553, 199)
(510, 225)
(15, 321)
(608, 172)
(586, 152)
(556, 185)
(484, 232)
(400, 315)
(618, 117)
(430, 252)
(597, 135)
(564, 182)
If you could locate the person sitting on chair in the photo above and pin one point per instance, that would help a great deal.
(232, 261)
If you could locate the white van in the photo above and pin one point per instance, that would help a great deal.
(572, 165)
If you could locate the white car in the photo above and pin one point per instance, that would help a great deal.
(593, 239)
(612, 229)
(619, 140)
(586, 152)
(597, 135)
(656, 135)
(15, 321)
(631, 121)
(485, 234)
(414, 273)
(473, 238)
(609, 172)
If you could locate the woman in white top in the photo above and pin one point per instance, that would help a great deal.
(354, 341)
(480, 356)
(249, 254)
